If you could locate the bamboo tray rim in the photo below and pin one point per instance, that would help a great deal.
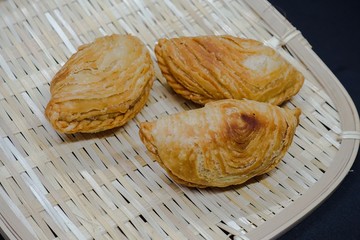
(349, 147)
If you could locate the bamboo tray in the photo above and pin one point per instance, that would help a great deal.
(105, 186)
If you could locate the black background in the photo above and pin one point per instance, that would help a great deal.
(332, 28)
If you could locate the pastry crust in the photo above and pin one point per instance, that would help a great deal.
(102, 86)
(227, 142)
(208, 68)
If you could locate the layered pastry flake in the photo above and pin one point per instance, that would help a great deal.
(102, 86)
(208, 68)
(226, 142)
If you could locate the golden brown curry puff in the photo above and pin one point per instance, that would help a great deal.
(207, 68)
(102, 86)
(226, 142)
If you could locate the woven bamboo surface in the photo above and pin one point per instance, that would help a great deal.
(105, 185)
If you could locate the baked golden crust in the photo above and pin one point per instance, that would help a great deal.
(208, 68)
(226, 142)
(102, 86)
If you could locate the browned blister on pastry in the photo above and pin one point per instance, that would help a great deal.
(102, 86)
(208, 68)
(226, 142)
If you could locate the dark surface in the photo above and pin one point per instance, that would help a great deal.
(332, 28)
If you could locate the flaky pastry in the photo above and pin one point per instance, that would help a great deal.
(102, 86)
(226, 142)
(208, 68)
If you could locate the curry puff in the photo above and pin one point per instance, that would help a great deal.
(208, 68)
(102, 86)
(226, 142)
